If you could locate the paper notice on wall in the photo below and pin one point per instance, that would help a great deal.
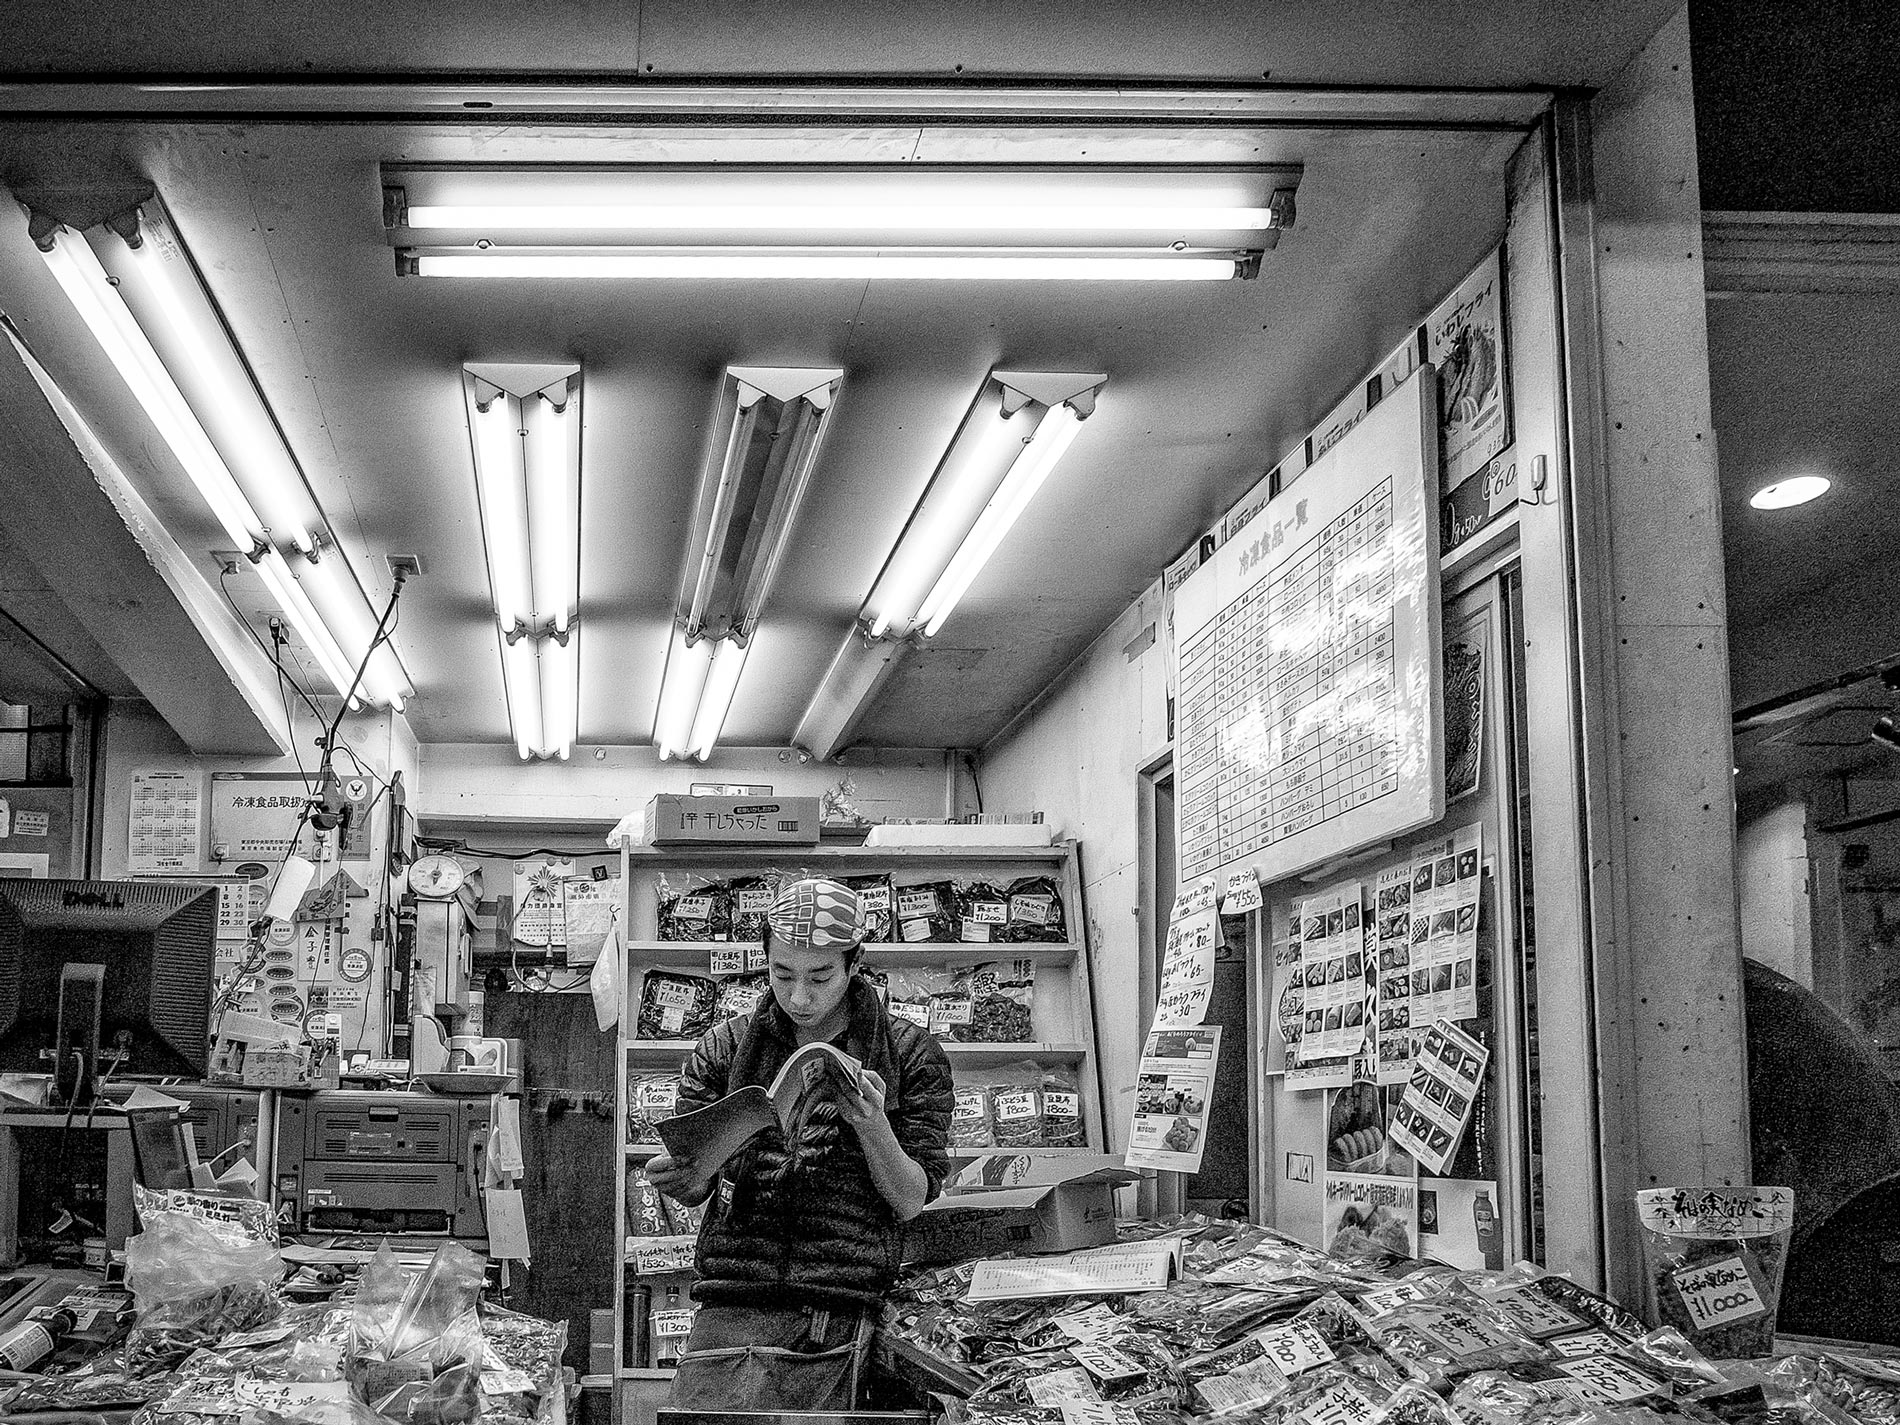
(1437, 1101)
(540, 890)
(1333, 969)
(507, 1224)
(1174, 1084)
(1289, 989)
(1367, 1212)
(1243, 893)
(590, 911)
(1187, 963)
(1392, 930)
(1443, 911)
(165, 819)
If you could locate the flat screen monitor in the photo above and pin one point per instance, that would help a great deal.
(143, 948)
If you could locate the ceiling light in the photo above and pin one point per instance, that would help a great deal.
(766, 431)
(524, 424)
(1018, 428)
(837, 266)
(910, 221)
(1784, 494)
(857, 674)
(1886, 733)
(136, 288)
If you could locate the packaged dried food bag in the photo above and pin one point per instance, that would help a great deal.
(752, 898)
(877, 899)
(1061, 1110)
(970, 1117)
(694, 908)
(1002, 995)
(1714, 1257)
(927, 912)
(1016, 1115)
(982, 912)
(1439, 1339)
(195, 1282)
(650, 1097)
(910, 990)
(675, 1005)
(738, 996)
(1035, 911)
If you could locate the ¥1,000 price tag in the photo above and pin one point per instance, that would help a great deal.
(1715, 1293)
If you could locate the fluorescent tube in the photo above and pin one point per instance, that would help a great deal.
(1052, 439)
(980, 455)
(521, 684)
(560, 695)
(89, 290)
(715, 697)
(303, 617)
(552, 451)
(681, 684)
(834, 266)
(1159, 217)
(501, 490)
(857, 673)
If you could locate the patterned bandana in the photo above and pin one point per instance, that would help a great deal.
(818, 914)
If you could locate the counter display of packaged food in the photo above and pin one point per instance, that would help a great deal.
(1255, 1327)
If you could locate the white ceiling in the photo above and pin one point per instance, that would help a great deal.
(1208, 385)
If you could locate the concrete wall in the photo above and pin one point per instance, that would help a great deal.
(1076, 756)
(1771, 874)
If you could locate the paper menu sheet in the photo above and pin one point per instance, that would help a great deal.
(1437, 1101)
(1129, 1266)
(1444, 927)
(1174, 1085)
(1187, 964)
(1333, 969)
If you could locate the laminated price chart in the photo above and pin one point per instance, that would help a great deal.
(1308, 710)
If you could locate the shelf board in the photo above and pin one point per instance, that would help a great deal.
(646, 1373)
(658, 1048)
(878, 952)
(729, 855)
(641, 1150)
(1003, 1053)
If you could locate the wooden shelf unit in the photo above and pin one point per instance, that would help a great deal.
(1063, 1015)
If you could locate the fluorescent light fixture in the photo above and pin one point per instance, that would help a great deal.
(1013, 435)
(912, 221)
(830, 266)
(857, 674)
(135, 287)
(524, 423)
(767, 428)
(1785, 494)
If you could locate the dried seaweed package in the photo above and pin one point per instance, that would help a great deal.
(738, 996)
(877, 898)
(982, 912)
(927, 912)
(970, 1118)
(910, 991)
(698, 909)
(1061, 1110)
(1002, 994)
(1035, 911)
(647, 1210)
(752, 898)
(675, 1005)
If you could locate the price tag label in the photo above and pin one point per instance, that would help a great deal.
(1032, 909)
(915, 905)
(1341, 1404)
(662, 1254)
(1051, 1388)
(1536, 1313)
(1294, 1348)
(1016, 1105)
(1106, 1363)
(728, 960)
(1382, 1299)
(1097, 1412)
(693, 908)
(1585, 1343)
(989, 912)
(507, 1382)
(975, 931)
(1091, 1324)
(755, 957)
(914, 1013)
(1715, 1293)
(755, 900)
(678, 1322)
(1608, 1382)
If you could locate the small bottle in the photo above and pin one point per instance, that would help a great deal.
(635, 1307)
(666, 1349)
(1484, 1219)
(31, 1342)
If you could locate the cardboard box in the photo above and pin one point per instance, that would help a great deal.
(1020, 1202)
(674, 820)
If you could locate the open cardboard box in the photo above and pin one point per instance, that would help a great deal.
(1020, 1202)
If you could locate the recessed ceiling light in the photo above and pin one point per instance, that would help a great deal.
(1784, 493)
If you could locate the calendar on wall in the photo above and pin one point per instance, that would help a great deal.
(1307, 660)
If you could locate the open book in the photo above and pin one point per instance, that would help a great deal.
(708, 1136)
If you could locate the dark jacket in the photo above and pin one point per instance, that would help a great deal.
(802, 1222)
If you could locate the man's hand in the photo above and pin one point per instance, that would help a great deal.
(864, 1106)
(680, 1181)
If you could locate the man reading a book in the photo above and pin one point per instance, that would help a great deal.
(804, 1224)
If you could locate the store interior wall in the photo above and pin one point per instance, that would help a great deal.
(1771, 872)
(1075, 755)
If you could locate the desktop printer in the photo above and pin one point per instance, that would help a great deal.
(381, 1161)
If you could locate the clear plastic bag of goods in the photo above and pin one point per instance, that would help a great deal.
(1714, 1257)
(195, 1281)
(1002, 998)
